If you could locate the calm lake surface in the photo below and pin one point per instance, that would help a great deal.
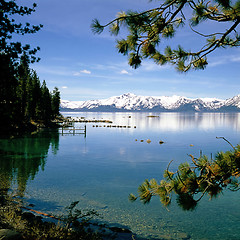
(50, 170)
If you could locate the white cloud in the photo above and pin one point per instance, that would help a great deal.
(86, 71)
(151, 66)
(80, 73)
(64, 87)
(216, 61)
(76, 74)
(236, 59)
(124, 72)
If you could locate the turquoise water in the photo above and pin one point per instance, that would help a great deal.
(50, 170)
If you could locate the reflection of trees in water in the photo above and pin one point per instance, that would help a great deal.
(22, 158)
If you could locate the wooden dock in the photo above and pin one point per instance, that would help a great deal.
(74, 131)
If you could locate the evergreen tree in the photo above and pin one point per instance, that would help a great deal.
(13, 94)
(55, 102)
(36, 96)
(46, 103)
(192, 181)
(23, 75)
(22, 98)
(30, 106)
(9, 26)
(8, 97)
(146, 29)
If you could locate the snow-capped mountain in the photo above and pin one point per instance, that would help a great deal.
(132, 102)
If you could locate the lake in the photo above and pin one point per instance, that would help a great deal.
(50, 170)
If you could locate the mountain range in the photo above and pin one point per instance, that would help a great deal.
(132, 102)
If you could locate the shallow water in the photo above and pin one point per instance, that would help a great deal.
(51, 170)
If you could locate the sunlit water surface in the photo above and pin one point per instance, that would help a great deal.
(51, 170)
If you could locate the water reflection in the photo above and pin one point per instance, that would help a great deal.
(167, 121)
(22, 158)
(203, 121)
(104, 168)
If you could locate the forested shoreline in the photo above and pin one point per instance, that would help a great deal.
(24, 101)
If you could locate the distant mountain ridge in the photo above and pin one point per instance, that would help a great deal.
(132, 102)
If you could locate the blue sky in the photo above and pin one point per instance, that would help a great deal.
(85, 66)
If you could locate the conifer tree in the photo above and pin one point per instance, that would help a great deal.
(36, 88)
(190, 182)
(30, 106)
(13, 96)
(8, 87)
(9, 26)
(46, 103)
(144, 34)
(147, 29)
(55, 102)
(23, 76)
